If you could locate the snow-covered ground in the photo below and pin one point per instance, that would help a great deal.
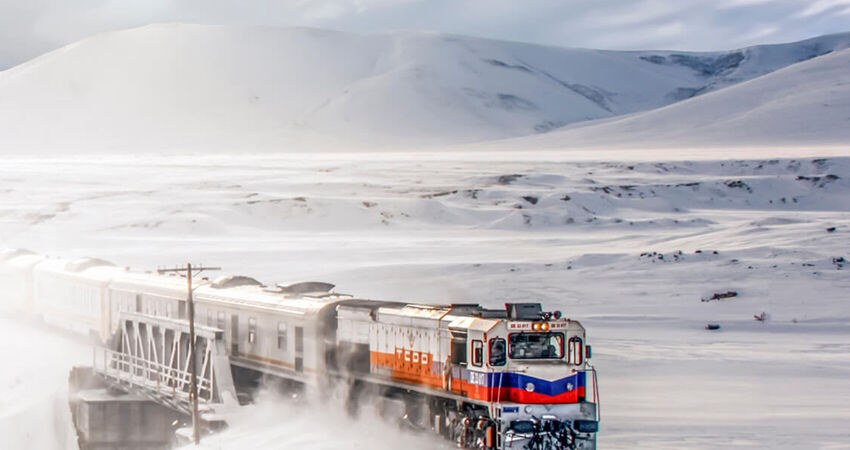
(627, 246)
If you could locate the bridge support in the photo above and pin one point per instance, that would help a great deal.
(106, 419)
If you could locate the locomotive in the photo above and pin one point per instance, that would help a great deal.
(516, 377)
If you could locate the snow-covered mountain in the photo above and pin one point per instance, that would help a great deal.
(804, 104)
(191, 87)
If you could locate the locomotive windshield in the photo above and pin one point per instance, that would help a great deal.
(536, 345)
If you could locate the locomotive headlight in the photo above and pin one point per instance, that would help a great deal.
(536, 327)
(545, 327)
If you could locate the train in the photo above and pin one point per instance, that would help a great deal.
(518, 377)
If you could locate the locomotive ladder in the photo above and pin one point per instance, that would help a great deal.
(150, 356)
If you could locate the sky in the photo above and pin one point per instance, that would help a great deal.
(29, 28)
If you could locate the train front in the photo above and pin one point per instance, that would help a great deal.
(541, 385)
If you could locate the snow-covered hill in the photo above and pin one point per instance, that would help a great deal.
(190, 87)
(804, 104)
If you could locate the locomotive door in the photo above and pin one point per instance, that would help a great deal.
(299, 349)
(234, 335)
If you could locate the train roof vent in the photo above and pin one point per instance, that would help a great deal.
(465, 309)
(306, 287)
(524, 311)
(229, 281)
(79, 265)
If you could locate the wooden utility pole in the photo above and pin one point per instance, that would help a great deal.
(193, 371)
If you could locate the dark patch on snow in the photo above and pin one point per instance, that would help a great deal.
(439, 194)
(705, 65)
(548, 125)
(819, 181)
(721, 296)
(508, 179)
(598, 96)
(511, 102)
(684, 93)
(738, 184)
(709, 65)
(531, 199)
(497, 63)
(654, 59)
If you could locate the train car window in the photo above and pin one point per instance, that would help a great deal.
(299, 340)
(221, 320)
(252, 330)
(169, 310)
(498, 352)
(209, 318)
(281, 335)
(574, 351)
(536, 345)
(477, 353)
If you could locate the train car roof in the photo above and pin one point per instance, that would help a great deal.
(22, 260)
(258, 297)
(150, 281)
(9, 253)
(88, 268)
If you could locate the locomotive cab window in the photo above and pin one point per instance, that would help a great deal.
(536, 345)
(498, 352)
(252, 330)
(574, 350)
(477, 353)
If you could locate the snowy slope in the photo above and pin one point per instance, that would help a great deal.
(806, 103)
(191, 87)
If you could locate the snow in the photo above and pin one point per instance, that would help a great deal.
(170, 88)
(462, 227)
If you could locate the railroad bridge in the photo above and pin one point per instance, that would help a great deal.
(149, 359)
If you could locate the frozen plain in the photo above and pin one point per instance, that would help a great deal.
(598, 240)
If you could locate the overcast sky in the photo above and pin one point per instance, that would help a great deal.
(31, 27)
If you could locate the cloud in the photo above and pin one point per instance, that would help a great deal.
(822, 6)
(31, 27)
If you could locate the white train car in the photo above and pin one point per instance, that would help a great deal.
(72, 294)
(145, 293)
(280, 331)
(16, 267)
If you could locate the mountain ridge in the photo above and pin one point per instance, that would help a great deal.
(172, 87)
